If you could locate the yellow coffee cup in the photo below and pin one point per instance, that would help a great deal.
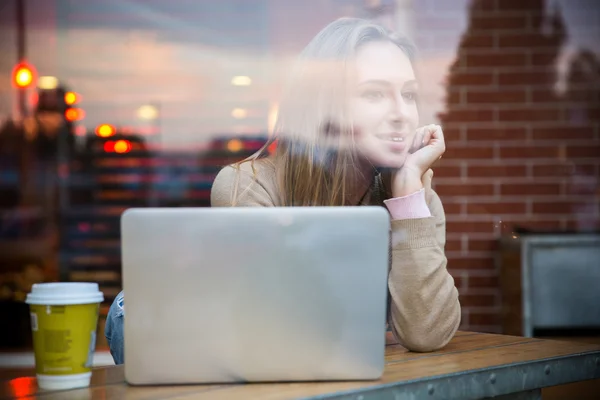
(64, 318)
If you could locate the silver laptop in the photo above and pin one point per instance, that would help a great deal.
(217, 295)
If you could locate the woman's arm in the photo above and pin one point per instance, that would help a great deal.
(242, 186)
(424, 311)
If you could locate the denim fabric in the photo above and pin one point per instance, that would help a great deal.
(114, 328)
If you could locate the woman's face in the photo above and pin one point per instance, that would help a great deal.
(383, 104)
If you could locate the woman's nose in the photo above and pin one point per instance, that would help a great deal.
(399, 109)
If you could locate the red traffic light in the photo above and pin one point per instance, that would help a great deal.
(23, 75)
(121, 146)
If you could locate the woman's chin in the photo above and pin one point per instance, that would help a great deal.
(389, 162)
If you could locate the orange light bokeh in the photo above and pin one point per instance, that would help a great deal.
(235, 145)
(74, 114)
(23, 76)
(105, 130)
(72, 98)
(122, 146)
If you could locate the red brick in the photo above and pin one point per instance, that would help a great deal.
(458, 282)
(469, 152)
(520, 5)
(487, 245)
(538, 226)
(562, 133)
(495, 60)
(590, 151)
(529, 152)
(587, 224)
(472, 263)
(481, 6)
(476, 282)
(582, 185)
(564, 170)
(480, 318)
(454, 97)
(497, 96)
(469, 226)
(496, 23)
(499, 133)
(452, 208)
(503, 170)
(547, 96)
(478, 300)
(562, 207)
(530, 189)
(578, 93)
(453, 245)
(469, 115)
(525, 78)
(447, 171)
(466, 78)
(496, 208)
(530, 114)
(525, 40)
(543, 57)
(465, 189)
(477, 41)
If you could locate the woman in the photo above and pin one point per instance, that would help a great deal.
(347, 134)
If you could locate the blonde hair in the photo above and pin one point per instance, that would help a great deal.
(311, 165)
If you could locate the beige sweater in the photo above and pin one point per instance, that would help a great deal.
(424, 310)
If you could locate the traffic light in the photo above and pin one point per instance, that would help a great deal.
(23, 75)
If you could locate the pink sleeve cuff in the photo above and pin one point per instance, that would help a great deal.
(408, 207)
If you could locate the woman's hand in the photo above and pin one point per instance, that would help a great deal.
(427, 148)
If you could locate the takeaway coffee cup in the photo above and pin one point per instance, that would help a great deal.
(64, 318)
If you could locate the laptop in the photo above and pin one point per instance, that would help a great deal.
(251, 294)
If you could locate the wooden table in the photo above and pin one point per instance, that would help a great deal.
(472, 366)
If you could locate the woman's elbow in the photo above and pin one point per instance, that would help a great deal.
(431, 336)
(425, 343)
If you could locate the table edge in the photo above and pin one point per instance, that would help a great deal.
(491, 381)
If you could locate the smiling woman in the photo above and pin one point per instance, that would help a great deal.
(348, 134)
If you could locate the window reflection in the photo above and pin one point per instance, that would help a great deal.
(172, 91)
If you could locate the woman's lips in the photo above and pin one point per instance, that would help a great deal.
(396, 141)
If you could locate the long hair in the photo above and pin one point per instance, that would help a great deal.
(315, 152)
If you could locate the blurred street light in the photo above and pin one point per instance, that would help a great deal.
(74, 114)
(148, 112)
(23, 75)
(241, 80)
(72, 98)
(239, 113)
(47, 82)
(235, 145)
(105, 130)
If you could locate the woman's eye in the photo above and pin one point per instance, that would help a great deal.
(410, 96)
(373, 95)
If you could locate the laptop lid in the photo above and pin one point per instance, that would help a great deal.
(254, 294)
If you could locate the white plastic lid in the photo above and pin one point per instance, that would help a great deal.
(64, 293)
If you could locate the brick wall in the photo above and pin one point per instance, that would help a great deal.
(520, 154)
